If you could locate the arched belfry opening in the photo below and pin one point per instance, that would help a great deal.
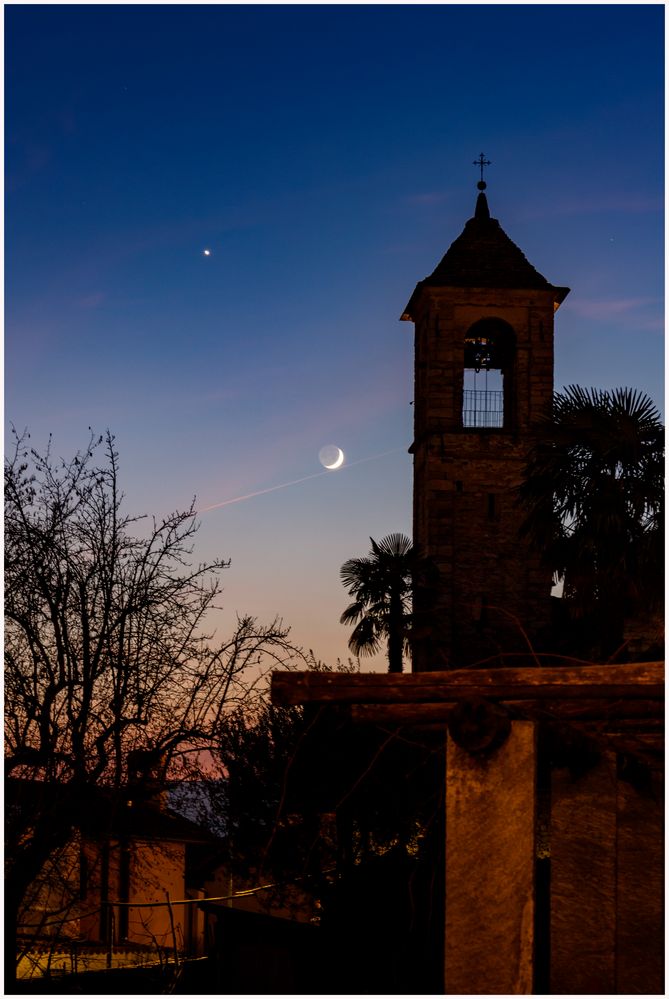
(484, 324)
(487, 389)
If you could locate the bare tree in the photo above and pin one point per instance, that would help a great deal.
(110, 672)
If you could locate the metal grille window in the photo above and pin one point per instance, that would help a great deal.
(482, 408)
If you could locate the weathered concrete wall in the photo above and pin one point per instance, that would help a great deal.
(640, 940)
(583, 880)
(607, 892)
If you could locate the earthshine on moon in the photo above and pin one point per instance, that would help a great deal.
(331, 456)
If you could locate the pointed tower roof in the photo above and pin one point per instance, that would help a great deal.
(483, 256)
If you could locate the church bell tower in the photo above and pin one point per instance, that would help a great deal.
(483, 378)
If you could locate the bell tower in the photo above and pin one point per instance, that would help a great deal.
(483, 376)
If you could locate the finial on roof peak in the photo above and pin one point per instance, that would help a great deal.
(482, 210)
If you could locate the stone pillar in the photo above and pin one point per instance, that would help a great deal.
(490, 857)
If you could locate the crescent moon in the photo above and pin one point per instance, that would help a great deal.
(339, 462)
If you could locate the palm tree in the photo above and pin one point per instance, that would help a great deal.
(594, 494)
(382, 583)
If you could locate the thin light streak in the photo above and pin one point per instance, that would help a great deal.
(295, 482)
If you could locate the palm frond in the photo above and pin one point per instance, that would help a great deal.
(355, 572)
(364, 640)
(392, 546)
(352, 613)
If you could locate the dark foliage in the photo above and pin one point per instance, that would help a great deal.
(594, 494)
(340, 811)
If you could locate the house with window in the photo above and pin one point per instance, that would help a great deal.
(123, 890)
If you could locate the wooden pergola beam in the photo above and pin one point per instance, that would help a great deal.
(640, 713)
(628, 681)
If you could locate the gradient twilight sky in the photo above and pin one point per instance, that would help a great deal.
(324, 155)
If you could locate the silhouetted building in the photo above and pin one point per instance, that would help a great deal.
(483, 376)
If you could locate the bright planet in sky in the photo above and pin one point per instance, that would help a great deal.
(331, 456)
(206, 253)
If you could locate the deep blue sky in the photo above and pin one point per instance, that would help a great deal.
(324, 155)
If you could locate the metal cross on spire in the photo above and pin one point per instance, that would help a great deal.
(481, 162)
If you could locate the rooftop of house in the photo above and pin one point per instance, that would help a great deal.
(100, 811)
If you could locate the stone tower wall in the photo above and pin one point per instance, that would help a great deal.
(494, 596)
